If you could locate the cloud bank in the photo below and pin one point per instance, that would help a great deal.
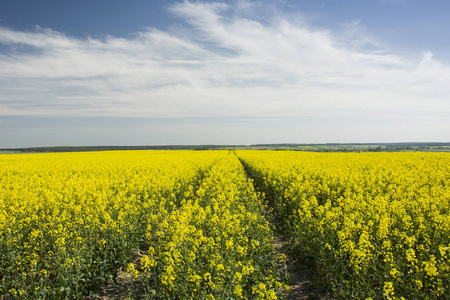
(218, 61)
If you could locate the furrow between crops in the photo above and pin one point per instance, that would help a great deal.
(301, 285)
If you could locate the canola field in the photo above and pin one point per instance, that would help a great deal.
(182, 224)
(375, 225)
(194, 224)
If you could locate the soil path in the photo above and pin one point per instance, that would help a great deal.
(300, 282)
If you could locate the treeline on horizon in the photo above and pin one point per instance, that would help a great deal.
(111, 148)
(328, 147)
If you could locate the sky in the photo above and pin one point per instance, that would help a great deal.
(135, 72)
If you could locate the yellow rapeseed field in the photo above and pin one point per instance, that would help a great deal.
(190, 224)
(375, 225)
(70, 223)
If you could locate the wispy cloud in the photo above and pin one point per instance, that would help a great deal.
(219, 60)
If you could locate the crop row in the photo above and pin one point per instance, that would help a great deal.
(70, 222)
(216, 245)
(376, 226)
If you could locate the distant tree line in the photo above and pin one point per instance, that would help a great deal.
(329, 147)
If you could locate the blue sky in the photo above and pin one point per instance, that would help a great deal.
(223, 72)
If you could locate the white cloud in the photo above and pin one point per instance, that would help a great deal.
(222, 62)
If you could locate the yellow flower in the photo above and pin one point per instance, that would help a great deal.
(207, 276)
(238, 291)
(419, 284)
(133, 272)
(388, 289)
(238, 276)
(220, 267)
(394, 272)
(271, 295)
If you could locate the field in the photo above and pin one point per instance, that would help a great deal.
(194, 224)
(375, 225)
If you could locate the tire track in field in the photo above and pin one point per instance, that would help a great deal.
(301, 284)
